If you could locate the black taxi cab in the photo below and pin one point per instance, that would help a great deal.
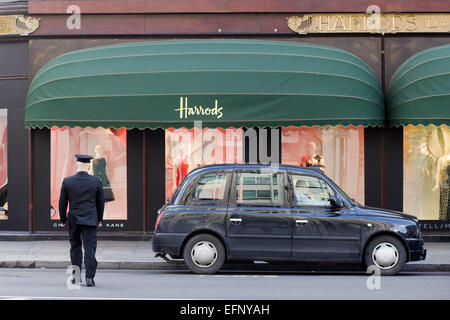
(255, 212)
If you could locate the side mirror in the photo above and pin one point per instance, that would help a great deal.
(336, 202)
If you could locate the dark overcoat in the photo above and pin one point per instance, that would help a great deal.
(84, 194)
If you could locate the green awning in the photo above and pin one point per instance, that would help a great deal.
(223, 83)
(419, 91)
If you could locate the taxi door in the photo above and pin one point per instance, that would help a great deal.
(259, 218)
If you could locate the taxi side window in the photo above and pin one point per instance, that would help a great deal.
(210, 187)
(259, 188)
(311, 191)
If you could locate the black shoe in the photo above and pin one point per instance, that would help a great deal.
(90, 282)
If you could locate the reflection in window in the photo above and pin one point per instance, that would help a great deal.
(426, 171)
(3, 165)
(108, 147)
(186, 149)
(211, 187)
(259, 188)
(311, 191)
(338, 150)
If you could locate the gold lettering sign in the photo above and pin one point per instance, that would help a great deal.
(185, 110)
(370, 23)
(18, 24)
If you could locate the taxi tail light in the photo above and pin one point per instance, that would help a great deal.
(158, 220)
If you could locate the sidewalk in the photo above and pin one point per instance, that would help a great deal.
(54, 254)
(138, 255)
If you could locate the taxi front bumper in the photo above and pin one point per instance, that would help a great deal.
(417, 251)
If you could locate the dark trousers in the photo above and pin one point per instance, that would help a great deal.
(88, 234)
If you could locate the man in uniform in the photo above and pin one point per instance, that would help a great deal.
(84, 194)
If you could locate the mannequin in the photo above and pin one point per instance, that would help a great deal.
(99, 170)
(182, 167)
(312, 159)
(443, 184)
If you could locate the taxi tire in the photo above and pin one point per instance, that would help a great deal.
(221, 255)
(402, 254)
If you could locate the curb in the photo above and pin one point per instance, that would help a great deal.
(146, 236)
(111, 265)
(5, 236)
(126, 265)
(427, 267)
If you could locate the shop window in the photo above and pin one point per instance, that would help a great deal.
(426, 171)
(186, 149)
(108, 147)
(337, 150)
(3, 165)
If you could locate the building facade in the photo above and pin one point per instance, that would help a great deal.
(136, 84)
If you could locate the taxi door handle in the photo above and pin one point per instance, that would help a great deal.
(301, 221)
(235, 220)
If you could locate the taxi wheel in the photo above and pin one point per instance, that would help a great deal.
(386, 254)
(204, 254)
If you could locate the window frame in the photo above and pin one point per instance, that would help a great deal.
(292, 190)
(189, 192)
(232, 190)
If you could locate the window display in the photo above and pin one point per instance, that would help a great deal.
(3, 165)
(108, 147)
(426, 172)
(187, 149)
(339, 151)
